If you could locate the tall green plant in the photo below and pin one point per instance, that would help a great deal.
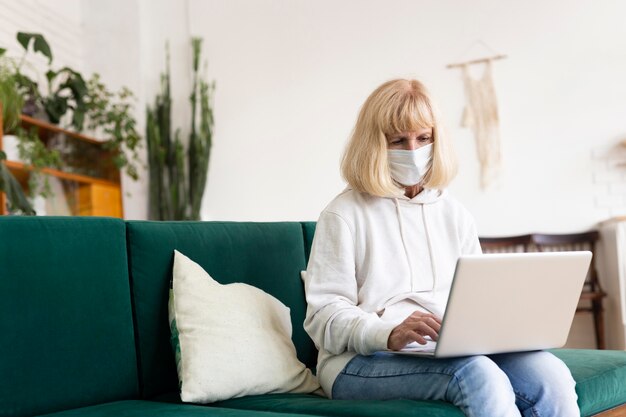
(177, 184)
(201, 137)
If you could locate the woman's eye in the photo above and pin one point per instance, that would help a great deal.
(424, 138)
(397, 141)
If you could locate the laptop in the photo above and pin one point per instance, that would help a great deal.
(509, 302)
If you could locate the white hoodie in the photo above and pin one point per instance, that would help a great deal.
(373, 262)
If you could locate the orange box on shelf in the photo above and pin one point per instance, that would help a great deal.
(99, 200)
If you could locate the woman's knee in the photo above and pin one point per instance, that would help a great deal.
(545, 369)
(480, 387)
(542, 382)
(553, 369)
(479, 371)
(556, 384)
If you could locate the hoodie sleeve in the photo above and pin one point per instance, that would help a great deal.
(333, 319)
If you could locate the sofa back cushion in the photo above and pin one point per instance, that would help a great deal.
(308, 230)
(65, 315)
(268, 256)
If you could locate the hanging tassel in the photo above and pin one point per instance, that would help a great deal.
(481, 114)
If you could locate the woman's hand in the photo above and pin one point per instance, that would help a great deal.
(413, 329)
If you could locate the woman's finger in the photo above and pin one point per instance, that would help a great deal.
(419, 315)
(425, 330)
(434, 324)
(429, 322)
(416, 337)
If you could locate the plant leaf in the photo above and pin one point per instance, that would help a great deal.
(14, 191)
(78, 119)
(51, 75)
(77, 84)
(24, 38)
(40, 44)
(55, 107)
(2, 51)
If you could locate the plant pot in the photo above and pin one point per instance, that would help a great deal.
(40, 205)
(34, 110)
(9, 146)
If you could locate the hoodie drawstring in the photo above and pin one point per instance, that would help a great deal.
(406, 251)
(430, 247)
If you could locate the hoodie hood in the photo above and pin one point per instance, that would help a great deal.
(427, 196)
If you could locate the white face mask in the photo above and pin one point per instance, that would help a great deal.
(409, 167)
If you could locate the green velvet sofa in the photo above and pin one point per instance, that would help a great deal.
(84, 326)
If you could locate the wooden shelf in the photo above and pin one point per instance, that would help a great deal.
(28, 121)
(99, 194)
(19, 166)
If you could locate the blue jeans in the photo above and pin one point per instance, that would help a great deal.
(506, 385)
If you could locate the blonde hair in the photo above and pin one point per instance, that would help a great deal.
(394, 107)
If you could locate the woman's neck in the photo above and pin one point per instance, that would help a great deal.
(413, 190)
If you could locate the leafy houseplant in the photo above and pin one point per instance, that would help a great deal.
(67, 89)
(80, 103)
(177, 185)
(89, 103)
(11, 103)
(68, 93)
(31, 150)
(35, 154)
(113, 113)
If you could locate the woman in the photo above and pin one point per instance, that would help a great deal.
(381, 267)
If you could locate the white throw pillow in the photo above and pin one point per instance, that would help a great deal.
(230, 340)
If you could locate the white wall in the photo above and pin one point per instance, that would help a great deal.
(61, 24)
(291, 76)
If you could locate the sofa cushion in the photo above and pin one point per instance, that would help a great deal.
(309, 404)
(138, 408)
(268, 256)
(600, 377)
(231, 340)
(65, 315)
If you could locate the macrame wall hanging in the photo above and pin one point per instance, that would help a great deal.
(481, 115)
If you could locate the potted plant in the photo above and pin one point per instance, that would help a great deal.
(85, 103)
(178, 177)
(111, 115)
(71, 100)
(21, 145)
(11, 103)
